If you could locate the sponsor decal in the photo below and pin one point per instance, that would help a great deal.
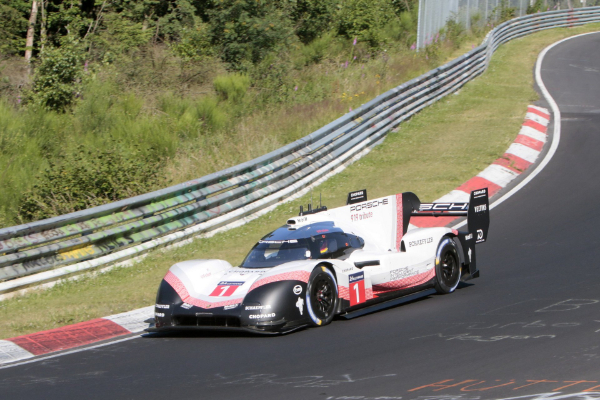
(261, 316)
(360, 216)
(297, 289)
(400, 273)
(479, 193)
(226, 288)
(469, 236)
(369, 204)
(480, 208)
(470, 252)
(301, 219)
(357, 288)
(163, 306)
(231, 307)
(265, 307)
(420, 242)
(479, 235)
(187, 306)
(206, 275)
(444, 206)
(159, 314)
(357, 197)
(300, 304)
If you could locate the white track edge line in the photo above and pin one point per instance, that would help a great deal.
(556, 132)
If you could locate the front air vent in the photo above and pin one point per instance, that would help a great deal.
(218, 321)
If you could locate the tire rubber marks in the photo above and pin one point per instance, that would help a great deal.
(521, 154)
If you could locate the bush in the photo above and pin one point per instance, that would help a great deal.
(194, 43)
(402, 29)
(504, 11)
(536, 7)
(454, 32)
(88, 178)
(208, 110)
(363, 19)
(246, 31)
(315, 51)
(57, 79)
(313, 17)
(12, 27)
(232, 86)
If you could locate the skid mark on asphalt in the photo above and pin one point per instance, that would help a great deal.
(309, 381)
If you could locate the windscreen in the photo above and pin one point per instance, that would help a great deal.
(269, 253)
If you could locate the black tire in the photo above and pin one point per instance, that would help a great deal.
(447, 267)
(321, 296)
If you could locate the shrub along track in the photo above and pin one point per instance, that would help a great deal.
(436, 151)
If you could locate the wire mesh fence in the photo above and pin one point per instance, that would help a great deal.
(470, 14)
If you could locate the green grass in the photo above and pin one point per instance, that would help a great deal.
(437, 150)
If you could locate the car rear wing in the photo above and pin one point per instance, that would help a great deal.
(477, 211)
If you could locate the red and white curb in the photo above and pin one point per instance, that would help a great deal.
(67, 337)
(521, 154)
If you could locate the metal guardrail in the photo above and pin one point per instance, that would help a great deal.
(124, 229)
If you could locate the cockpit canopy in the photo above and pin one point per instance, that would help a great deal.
(320, 240)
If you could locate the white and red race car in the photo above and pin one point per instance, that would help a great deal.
(345, 261)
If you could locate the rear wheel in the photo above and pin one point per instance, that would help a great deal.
(447, 266)
(321, 296)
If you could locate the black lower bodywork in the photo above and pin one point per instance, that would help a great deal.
(268, 309)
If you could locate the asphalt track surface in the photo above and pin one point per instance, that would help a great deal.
(528, 328)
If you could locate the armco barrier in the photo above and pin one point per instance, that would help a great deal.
(53, 248)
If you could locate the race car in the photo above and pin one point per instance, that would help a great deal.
(325, 263)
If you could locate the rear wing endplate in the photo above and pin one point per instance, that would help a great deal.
(477, 211)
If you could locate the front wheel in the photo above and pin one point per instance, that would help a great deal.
(447, 267)
(321, 296)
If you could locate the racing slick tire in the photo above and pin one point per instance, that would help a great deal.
(447, 266)
(321, 296)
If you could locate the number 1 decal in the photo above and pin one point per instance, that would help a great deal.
(357, 288)
(226, 289)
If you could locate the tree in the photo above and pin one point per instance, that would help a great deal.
(31, 30)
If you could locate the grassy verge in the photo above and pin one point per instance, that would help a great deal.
(431, 154)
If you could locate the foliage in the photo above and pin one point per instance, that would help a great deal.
(232, 86)
(535, 7)
(504, 11)
(13, 28)
(312, 18)
(194, 43)
(165, 74)
(363, 19)
(403, 29)
(88, 178)
(57, 79)
(246, 31)
(454, 32)
(315, 51)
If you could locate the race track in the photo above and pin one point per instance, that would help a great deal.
(530, 325)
